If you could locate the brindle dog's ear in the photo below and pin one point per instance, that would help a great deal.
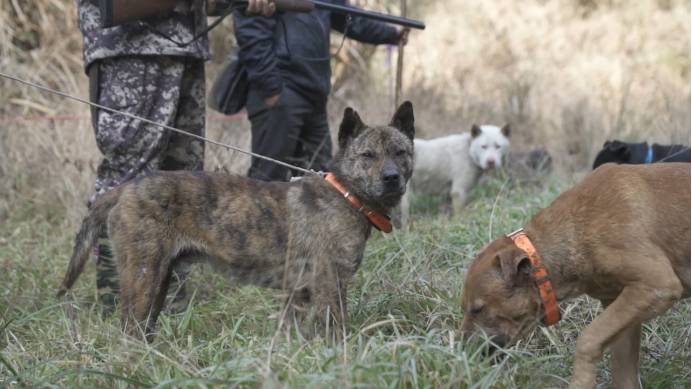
(403, 120)
(351, 126)
(515, 265)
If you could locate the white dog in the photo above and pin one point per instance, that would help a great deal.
(451, 165)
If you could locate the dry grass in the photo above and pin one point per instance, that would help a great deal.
(567, 74)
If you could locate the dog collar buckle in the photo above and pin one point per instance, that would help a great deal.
(378, 220)
(516, 233)
(541, 278)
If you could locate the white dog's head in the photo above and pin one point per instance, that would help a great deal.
(488, 145)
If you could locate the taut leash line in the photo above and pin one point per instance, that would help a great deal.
(154, 123)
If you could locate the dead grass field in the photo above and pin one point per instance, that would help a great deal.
(567, 74)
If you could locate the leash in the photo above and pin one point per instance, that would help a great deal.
(399, 63)
(154, 123)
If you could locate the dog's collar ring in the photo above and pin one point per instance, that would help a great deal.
(541, 277)
(380, 221)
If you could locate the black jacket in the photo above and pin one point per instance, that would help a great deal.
(307, 69)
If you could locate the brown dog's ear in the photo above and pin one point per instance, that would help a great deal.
(475, 131)
(403, 120)
(506, 130)
(351, 126)
(515, 265)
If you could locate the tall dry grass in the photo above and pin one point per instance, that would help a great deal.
(567, 74)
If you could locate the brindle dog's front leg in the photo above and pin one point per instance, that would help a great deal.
(330, 297)
(624, 356)
(636, 304)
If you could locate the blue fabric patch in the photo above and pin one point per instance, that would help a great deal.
(649, 156)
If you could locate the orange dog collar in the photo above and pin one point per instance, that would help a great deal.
(541, 277)
(380, 221)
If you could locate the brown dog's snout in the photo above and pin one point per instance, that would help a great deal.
(466, 336)
(475, 339)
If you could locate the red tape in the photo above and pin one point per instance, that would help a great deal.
(209, 117)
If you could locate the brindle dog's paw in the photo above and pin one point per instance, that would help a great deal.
(290, 315)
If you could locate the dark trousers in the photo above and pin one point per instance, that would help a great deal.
(164, 89)
(294, 130)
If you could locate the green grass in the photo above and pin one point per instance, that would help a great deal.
(404, 308)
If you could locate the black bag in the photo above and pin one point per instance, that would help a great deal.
(229, 91)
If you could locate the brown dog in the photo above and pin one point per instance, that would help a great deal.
(621, 235)
(304, 236)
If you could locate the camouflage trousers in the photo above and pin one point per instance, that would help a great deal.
(164, 89)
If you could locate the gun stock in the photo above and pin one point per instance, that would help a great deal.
(116, 12)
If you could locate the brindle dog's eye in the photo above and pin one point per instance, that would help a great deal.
(367, 155)
(476, 311)
(400, 153)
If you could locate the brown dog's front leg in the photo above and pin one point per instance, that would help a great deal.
(635, 305)
(624, 356)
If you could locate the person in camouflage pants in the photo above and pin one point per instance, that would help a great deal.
(134, 70)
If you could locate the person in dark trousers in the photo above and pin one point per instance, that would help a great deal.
(134, 70)
(287, 58)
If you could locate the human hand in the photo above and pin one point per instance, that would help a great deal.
(271, 100)
(260, 7)
(402, 34)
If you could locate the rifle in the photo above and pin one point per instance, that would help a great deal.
(116, 12)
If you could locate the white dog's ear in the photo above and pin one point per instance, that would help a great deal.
(506, 130)
(475, 131)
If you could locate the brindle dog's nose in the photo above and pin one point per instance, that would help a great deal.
(390, 177)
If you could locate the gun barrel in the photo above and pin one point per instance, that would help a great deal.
(368, 14)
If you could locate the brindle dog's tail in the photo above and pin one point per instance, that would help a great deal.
(88, 234)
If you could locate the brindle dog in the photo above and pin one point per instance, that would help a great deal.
(302, 236)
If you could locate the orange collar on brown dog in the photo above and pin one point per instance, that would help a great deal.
(380, 221)
(541, 277)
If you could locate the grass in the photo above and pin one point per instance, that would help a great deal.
(404, 307)
(566, 74)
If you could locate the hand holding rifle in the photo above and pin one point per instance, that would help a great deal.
(402, 34)
(260, 7)
(254, 7)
